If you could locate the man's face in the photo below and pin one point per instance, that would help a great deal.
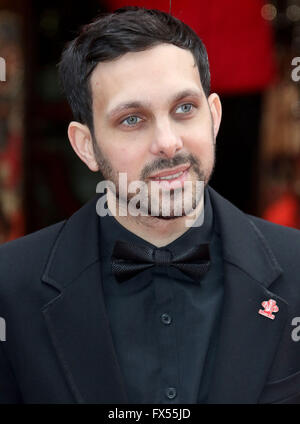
(151, 117)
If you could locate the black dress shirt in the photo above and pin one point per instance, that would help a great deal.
(164, 324)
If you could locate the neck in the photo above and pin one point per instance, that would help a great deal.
(155, 230)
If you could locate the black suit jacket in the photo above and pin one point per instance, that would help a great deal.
(59, 347)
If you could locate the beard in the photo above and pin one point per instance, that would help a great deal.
(155, 201)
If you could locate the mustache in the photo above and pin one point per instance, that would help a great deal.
(163, 163)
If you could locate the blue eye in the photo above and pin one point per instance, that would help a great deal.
(131, 121)
(186, 108)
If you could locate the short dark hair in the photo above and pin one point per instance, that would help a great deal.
(111, 35)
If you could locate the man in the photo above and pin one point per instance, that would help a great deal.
(149, 308)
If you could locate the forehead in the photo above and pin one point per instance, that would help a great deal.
(147, 75)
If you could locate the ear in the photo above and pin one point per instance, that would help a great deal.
(216, 111)
(81, 140)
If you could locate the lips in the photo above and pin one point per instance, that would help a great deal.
(170, 172)
(171, 179)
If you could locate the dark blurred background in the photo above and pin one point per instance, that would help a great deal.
(253, 48)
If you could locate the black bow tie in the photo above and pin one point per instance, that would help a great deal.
(129, 259)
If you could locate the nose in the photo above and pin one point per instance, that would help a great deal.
(166, 142)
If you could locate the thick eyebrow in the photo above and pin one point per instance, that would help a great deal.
(122, 107)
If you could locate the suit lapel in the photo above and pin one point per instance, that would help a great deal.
(76, 317)
(247, 340)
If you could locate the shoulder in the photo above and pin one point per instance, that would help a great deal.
(283, 241)
(27, 255)
(36, 241)
(276, 233)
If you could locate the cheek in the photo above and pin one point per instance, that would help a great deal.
(127, 160)
(201, 143)
(206, 149)
(198, 132)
